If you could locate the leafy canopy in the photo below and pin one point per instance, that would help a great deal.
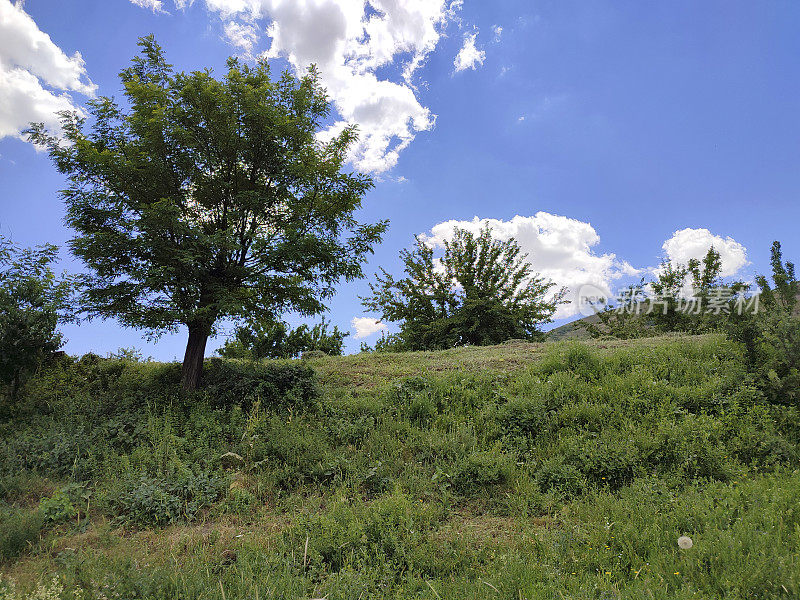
(482, 291)
(681, 301)
(209, 198)
(771, 335)
(278, 340)
(33, 300)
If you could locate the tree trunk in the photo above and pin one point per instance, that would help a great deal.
(195, 353)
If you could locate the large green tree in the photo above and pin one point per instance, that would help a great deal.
(481, 291)
(33, 300)
(205, 199)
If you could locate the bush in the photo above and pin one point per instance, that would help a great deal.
(557, 475)
(525, 417)
(151, 501)
(277, 384)
(19, 529)
(354, 534)
(58, 508)
(482, 469)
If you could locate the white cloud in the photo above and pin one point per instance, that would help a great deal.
(689, 243)
(154, 5)
(349, 40)
(559, 248)
(365, 327)
(498, 33)
(36, 76)
(241, 35)
(469, 57)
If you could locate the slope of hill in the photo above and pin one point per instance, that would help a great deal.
(566, 470)
(572, 330)
(575, 331)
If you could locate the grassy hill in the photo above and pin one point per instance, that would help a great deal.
(519, 471)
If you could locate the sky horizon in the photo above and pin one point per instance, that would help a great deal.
(603, 136)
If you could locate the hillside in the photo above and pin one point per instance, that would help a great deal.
(559, 470)
(575, 331)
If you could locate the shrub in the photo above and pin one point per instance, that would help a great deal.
(554, 474)
(362, 535)
(163, 501)
(482, 469)
(19, 529)
(527, 417)
(57, 508)
(276, 384)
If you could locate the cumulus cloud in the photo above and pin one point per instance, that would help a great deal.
(351, 41)
(365, 327)
(469, 57)
(559, 248)
(36, 76)
(689, 243)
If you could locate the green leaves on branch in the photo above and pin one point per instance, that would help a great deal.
(771, 337)
(277, 340)
(482, 291)
(209, 198)
(33, 301)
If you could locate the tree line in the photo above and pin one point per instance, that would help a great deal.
(202, 201)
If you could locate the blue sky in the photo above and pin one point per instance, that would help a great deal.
(604, 127)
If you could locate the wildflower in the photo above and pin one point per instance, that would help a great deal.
(685, 542)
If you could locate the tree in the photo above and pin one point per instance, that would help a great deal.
(482, 291)
(625, 320)
(671, 310)
(209, 199)
(771, 335)
(276, 340)
(32, 303)
(680, 301)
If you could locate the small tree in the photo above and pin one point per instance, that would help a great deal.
(209, 199)
(771, 336)
(482, 291)
(277, 340)
(667, 313)
(32, 303)
(625, 320)
(669, 308)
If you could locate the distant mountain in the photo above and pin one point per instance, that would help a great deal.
(572, 330)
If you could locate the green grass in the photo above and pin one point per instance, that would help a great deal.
(517, 471)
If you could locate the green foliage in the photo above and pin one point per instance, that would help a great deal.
(536, 471)
(19, 530)
(82, 418)
(482, 469)
(275, 384)
(481, 292)
(50, 591)
(32, 303)
(385, 534)
(771, 338)
(276, 340)
(57, 508)
(209, 198)
(151, 501)
(690, 298)
(623, 321)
